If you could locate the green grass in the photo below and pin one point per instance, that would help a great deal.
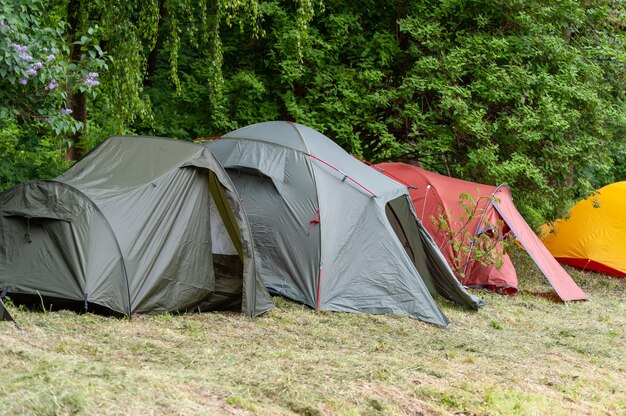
(522, 355)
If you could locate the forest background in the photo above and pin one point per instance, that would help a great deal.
(528, 93)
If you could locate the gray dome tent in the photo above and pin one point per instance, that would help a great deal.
(138, 225)
(330, 231)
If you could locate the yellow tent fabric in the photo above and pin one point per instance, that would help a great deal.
(593, 236)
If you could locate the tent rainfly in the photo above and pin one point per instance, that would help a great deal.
(433, 195)
(329, 231)
(592, 237)
(138, 225)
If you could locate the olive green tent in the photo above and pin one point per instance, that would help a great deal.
(138, 225)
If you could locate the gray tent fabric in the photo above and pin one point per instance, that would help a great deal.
(325, 229)
(131, 228)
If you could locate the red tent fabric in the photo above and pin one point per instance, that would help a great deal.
(435, 195)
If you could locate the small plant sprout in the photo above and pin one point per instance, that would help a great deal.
(487, 247)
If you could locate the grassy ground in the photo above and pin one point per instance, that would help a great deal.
(519, 355)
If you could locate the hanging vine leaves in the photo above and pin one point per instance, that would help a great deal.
(129, 31)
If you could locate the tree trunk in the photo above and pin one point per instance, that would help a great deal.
(75, 100)
(570, 179)
(154, 53)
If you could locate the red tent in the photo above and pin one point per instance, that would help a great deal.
(435, 195)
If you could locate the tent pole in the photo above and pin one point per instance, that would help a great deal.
(343, 173)
(424, 203)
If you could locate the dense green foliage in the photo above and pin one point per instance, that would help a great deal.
(527, 93)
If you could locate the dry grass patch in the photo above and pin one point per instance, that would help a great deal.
(519, 355)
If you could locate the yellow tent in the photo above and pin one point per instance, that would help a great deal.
(594, 235)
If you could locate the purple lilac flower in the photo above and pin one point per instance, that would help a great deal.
(46, 50)
(33, 68)
(23, 81)
(21, 51)
(50, 57)
(67, 111)
(53, 85)
(91, 80)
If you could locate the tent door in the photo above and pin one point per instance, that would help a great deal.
(28, 238)
(227, 251)
(404, 224)
(396, 224)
